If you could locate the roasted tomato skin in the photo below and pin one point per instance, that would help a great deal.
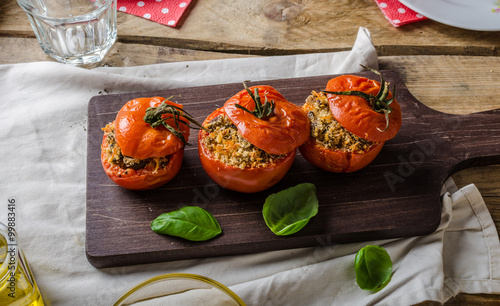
(141, 179)
(356, 116)
(137, 139)
(355, 113)
(281, 133)
(335, 160)
(247, 180)
(244, 180)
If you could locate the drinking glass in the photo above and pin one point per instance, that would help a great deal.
(75, 32)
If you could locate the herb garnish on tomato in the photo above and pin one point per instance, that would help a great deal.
(250, 145)
(379, 103)
(368, 117)
(352, 119)
(160, 115)
(261, 111)
(143, 147)
(281, 132)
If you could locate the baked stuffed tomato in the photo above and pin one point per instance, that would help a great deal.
(249, 145)
(143, 147)
(350, 122)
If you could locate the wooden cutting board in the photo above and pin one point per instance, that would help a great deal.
(398, 195)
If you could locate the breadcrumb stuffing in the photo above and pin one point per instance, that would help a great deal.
(329, 132)
(227, 145)
(114, 154)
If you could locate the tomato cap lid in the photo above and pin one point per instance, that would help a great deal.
(355, 113)
(282, 132)
(138, 139)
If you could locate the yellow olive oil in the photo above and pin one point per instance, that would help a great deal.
(17, 284)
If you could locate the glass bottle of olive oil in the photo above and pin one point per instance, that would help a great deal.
(17, 284)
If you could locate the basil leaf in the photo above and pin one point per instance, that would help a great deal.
(289, 210)
(190, 222)
(373, 267)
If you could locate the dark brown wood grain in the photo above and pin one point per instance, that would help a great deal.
(398, 195)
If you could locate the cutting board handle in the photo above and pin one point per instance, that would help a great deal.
(451, 142)
(475, 139)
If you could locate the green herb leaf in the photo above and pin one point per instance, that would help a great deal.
(373, 267)
(190, 222)
(289, 210)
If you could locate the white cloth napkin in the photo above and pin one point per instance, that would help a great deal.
(43, 114)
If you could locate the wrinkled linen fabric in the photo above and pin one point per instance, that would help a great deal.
(43, 121)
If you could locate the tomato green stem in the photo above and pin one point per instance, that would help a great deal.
(261, 111)
(158, 116)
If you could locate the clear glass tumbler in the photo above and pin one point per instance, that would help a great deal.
(75, 32)
(17, 284)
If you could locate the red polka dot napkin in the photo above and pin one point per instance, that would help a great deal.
(397, 13)
(167, 12)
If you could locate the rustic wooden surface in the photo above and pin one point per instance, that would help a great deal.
(284, 26)
(449, 69)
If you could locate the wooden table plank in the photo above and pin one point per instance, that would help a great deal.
(120, 55)
(283, 27)
(451, 84)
